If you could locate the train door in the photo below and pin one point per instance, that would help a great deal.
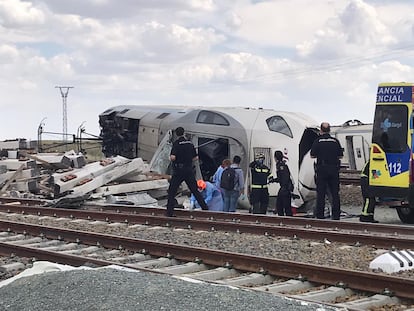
(390, 153)
(356, 147)
(211, 152)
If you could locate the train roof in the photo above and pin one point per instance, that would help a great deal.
(244, 115)
(352, 127)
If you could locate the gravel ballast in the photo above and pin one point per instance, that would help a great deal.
(109, 289)
(112, 289)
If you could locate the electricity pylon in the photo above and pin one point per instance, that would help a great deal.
(64, 90)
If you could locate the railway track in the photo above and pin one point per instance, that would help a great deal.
(380, 235)
(349, 177)
(274, 271)
(299, 280)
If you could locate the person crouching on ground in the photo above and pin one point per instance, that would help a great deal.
(211, 195)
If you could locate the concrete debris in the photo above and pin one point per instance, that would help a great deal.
(15, 164)
(393, 261)
(133, 187)
(132, 199)
(68, 180)
(56, 160)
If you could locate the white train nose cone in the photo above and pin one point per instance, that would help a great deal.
(307, 186)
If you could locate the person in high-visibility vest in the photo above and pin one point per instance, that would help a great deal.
(368, 208)
(259, 195)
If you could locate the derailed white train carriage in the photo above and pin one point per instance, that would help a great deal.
(218, 133)
(355, 137)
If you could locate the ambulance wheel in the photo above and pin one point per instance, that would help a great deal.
(406, 214)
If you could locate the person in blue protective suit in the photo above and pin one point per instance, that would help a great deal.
(217, 175)
(211, 195)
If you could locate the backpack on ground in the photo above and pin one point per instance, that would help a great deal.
(228, 178)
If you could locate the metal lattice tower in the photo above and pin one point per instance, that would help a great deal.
(64, 91)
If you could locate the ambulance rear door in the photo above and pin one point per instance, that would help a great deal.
(390, 152)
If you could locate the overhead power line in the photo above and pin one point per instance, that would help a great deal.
(334, 64)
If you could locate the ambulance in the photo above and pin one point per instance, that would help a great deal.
(391, 174)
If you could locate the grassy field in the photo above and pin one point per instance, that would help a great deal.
(91, 149)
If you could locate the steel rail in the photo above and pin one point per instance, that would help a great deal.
(365, 281)
(24, 201)
(395, 230)
(390, 241)
(265, 219)
(350, 180)
(6, 249)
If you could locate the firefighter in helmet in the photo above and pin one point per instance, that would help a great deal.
(259, 195)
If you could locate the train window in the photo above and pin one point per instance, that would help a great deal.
(163, 115)
(209, 117)
(278, 124)
(390, 128)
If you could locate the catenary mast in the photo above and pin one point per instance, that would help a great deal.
(64, 91)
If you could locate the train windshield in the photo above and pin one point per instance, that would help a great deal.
(390, 128)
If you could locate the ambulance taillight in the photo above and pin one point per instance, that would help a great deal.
(375, 149)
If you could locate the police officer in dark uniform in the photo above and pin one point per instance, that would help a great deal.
(328, 151)
(182, 156)
(259, 195)
(284, 196)
(368, 208)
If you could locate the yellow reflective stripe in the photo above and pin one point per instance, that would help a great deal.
(261, 170)
(259, 186)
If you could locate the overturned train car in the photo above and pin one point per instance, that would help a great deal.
(355, 137)
(217, 133)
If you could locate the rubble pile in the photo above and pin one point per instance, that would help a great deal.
(67, 180)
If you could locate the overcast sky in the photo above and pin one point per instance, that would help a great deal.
(320, 57)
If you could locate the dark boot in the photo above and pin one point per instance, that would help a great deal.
(367, 218)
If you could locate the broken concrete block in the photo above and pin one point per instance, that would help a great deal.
(52, 160)
(3, 169)
(25, 186)
(133, 187)
(94, 175)
(78, 161)
(117, 169)
(14, 164)
(132, 199)
(66, 181)
(24, 174)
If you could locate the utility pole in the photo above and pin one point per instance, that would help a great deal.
(64, 90)
(39, 136)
